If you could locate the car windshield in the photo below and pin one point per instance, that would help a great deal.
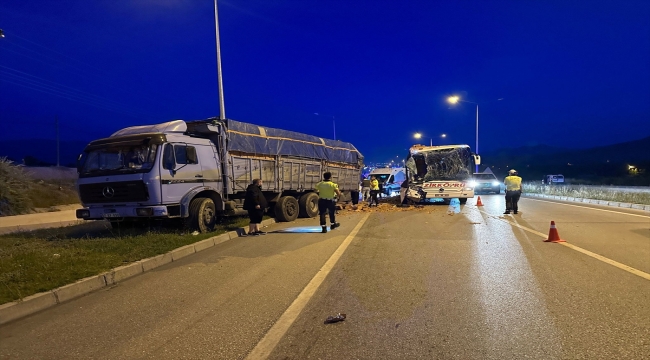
(120, 158)
(484, 176)
(436, 165)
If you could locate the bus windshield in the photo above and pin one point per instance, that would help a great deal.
(440, 164)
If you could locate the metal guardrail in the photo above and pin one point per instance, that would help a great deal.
(605, 187)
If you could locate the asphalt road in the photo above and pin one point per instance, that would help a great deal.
(413, 284)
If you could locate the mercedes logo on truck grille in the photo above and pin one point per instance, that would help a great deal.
(108, 192)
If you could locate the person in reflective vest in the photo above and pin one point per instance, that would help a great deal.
(513, 191)
(327, 196)
(365, 189)
(374, 191)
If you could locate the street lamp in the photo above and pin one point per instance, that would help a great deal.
(419, 136)
(333, 122)
(454, 100)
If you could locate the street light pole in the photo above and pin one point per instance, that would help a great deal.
(455, 100)
(476, 134)
(222, 105)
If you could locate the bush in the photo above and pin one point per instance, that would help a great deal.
(14, 183)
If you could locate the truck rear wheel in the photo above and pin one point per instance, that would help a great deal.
(203, 215)
(463, 201)
(286, 209)
(308, 205)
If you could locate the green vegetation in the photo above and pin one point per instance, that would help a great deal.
(589, 193)
(20, 194)
(43, 260)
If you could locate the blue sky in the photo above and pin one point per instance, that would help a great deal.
(570, 73)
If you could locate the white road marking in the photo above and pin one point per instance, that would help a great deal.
(609, 261)
(264, 348)
(590, 208)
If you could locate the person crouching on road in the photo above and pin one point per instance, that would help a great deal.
(255, 203)
(327, 202)
(513, 191)
(374, 191)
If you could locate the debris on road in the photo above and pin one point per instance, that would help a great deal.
(335, 319)
(391, 204)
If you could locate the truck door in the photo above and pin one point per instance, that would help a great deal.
(181, 171)
(210, 166)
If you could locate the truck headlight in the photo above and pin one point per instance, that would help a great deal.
(83, 213)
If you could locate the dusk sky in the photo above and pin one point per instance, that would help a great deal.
(571, 73)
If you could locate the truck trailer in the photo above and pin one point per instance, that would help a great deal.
(195, 172)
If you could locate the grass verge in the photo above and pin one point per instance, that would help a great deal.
(589, 193)
(42, 260)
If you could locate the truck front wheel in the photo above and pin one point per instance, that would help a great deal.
(308, 205)
(286, 209)
(203, 215)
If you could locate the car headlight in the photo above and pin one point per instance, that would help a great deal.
(472, 184)
(495, 183)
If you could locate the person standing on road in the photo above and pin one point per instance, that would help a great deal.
(513, 191)
(326, 190)
(365, 189)
(374, 190)
(255, 203)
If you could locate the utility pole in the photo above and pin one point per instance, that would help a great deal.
(56, 122)
(222, 106)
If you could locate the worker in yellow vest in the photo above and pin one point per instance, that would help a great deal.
(513, 191)
(327, 201)
(374, 191)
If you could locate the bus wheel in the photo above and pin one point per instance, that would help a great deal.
(286, 209)
(308, 205)
(203, 215)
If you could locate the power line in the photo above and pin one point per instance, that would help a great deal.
(72, 97)
(62, 65)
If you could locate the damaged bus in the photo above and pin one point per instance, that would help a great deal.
(440, 173)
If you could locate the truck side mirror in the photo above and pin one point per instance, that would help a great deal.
(79, 163)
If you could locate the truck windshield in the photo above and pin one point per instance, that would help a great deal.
(438, 165)
(120, 158)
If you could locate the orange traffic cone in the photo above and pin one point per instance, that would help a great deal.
(478, 202)
(553, 236)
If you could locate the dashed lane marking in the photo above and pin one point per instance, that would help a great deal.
(264, 348)
(609, 261)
